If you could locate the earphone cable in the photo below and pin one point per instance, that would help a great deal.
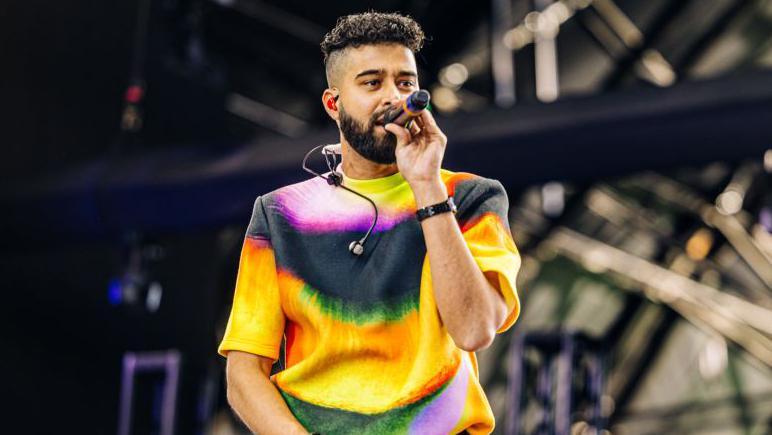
(334, 179)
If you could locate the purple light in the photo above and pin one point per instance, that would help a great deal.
(114, 293)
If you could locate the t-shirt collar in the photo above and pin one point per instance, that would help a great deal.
(373, 185)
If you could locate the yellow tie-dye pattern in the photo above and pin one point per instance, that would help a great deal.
(368, 367)
(347, 365)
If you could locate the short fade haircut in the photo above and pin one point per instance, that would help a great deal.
(369, 28)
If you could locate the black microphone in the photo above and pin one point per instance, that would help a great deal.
(413, 105)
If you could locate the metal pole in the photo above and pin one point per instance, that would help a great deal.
(516, 385)
(502, 60)
(565, 375)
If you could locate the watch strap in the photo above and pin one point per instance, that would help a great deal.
(443, 207)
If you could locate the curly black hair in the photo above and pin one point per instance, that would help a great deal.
(371, 28)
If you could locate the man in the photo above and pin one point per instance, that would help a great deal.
(381, 342)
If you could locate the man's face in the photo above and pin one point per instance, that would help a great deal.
(372, 79)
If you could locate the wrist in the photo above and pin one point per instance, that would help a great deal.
(428, 193)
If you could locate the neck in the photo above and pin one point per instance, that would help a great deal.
(357, 167)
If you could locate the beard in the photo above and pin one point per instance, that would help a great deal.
(378, 149)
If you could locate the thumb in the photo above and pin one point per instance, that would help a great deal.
(402, 134)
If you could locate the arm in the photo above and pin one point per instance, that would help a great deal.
(255, 399)
(471, 308)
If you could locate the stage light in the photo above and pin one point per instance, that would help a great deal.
(445, 99)
(114, 292)
(713, 358)
(699, 244)
(545, 23)
(531, 22)
(729, 202)
(517, 38)
(596, 260)
(656, 69)
(454, 75)
(553, 199)
(153, 298)
(559, 11)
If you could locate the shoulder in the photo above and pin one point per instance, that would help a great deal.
(305, 205)
(476, 196)
(297, 191)
(267, 204)
(465, 185)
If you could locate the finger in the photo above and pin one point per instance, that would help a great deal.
(415, 129)
(430, 127)
(427, 121)
(402, 134)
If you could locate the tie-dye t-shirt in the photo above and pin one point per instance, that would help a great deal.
(366, 350)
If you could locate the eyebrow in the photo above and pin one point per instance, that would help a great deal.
(380, 72)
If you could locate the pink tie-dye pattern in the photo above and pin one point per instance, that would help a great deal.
(315, 207)
(442, 414)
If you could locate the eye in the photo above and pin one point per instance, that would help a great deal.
(407, 83)
(372, 83)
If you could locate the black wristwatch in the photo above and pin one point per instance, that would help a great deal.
(445, 206)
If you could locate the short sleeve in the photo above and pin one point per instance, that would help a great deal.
(256, 322)
(482, 215)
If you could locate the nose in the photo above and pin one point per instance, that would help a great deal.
(391, 96)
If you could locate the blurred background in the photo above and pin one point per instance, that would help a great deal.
(633, 136)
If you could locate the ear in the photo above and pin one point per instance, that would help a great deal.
(330, 102)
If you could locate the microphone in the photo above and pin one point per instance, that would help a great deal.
(413, 105)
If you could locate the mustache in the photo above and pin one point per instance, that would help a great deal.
(377, 117)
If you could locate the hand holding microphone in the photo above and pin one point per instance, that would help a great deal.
(420, 147)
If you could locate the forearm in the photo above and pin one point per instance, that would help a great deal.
(470, 307)
(256, 400)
